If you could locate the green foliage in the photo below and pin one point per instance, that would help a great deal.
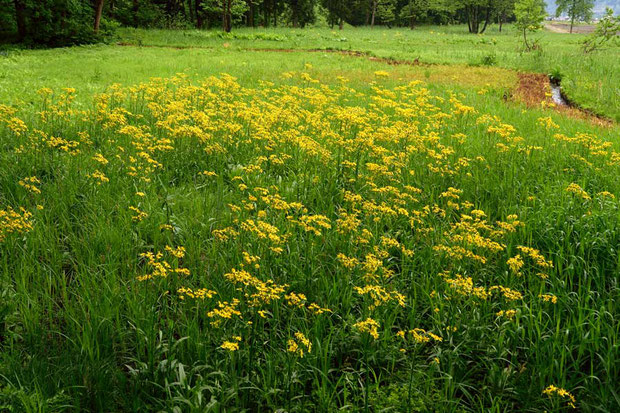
(337, 10)
(414, 10)
(556, 75)
(605, 33)
(530, 15)
(576, 9)
(489, 59)
(386, 11)
(235, 9)
(58, 22)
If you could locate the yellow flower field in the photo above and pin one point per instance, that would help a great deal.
(307, 246)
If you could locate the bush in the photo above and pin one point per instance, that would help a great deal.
(58, 23)
(489, 59)
(556, 76)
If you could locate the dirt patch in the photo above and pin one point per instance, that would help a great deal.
(565, 28)
(534, 90)
(162, 46)
(388, 60)
(354, 53)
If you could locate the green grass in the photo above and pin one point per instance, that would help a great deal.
(88, 322)
(589, 80)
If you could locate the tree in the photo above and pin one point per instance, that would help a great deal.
(337, 11)
(576, 10)
(302, 12)
(98, 13)
(230, 11)
(607, 30)
(504, 9)
(373, 8)
(20, 19)
(57, 22)
(386, 10)
(476, 12)
(530, 15)
(414, 10)
(250, 20)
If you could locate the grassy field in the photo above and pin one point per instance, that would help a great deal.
(591, 80)
(219, 228)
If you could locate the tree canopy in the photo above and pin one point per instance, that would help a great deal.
(63, 22)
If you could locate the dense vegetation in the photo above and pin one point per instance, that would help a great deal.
(51, 20)
(217, 225)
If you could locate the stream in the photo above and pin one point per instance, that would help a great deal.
(556, 95)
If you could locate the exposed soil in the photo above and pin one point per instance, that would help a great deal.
(534, 90)
(565, 28)
(161, 46)
(355, 53)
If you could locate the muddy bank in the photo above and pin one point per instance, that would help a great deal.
(536, 90)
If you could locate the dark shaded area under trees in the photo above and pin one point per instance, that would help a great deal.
(67, 22)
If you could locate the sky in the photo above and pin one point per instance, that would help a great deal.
(599, 6)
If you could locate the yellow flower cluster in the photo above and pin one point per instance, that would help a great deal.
(30, 184)
(231, 345)
(369, 326)
(201, 293)
(553, 390)
(14, 222)
(579, 191)
(299, 345)
(224, 311)
(161, 268)
(380, 296)
(419, 335)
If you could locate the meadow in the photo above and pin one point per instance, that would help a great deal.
(192, 223)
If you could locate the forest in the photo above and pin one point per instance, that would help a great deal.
(65, 22)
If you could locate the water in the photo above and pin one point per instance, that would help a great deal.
(556, 95)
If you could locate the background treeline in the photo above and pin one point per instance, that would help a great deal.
(62, 22)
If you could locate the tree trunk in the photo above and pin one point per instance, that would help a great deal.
(198, 11)
(341, 24)
(486, 20)
(192, 14)
(295, 9)
(98, 13)
(134, 10)
(475, 21)
(226, 16)
(251, 13)
(572, 21)
(374, 12)
(20, 18)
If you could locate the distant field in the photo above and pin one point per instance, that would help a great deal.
(308, 221)
(565, 28)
